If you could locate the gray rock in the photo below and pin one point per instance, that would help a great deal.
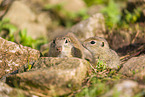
(52, 76)
(44, 18)
(69, 5)
(126, 88)
(19, 13)
(4, 90)
(13, 56)
(7, 91)
(134, 67)
(23, 17)
(95, 9)
(34, 30)
(93, 26)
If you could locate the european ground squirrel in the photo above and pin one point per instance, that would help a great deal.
(68, 46)
(99, 48)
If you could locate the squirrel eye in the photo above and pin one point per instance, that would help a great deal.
(66, 41)
(53, 41)
(102, 44)
(92, 42)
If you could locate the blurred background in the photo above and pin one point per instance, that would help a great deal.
(36, 22)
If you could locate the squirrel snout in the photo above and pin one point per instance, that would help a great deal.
(59, 49)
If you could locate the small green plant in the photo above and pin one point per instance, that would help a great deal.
(26, 40)
(112, 14)
(97, 82)
(29, 65)
(29, 41)
(10, 28)
(111, 11)
(132, 17)
(100, 66)
(7, 31)
(114, 17)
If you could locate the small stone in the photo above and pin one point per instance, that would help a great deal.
(93, 26)
(19, 13)
(126, 88)
(135, 67)
(7, 91)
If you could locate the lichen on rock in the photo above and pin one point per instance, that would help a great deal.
(13, 56)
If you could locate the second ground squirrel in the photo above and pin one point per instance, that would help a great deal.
(99, 48)
(68, 46)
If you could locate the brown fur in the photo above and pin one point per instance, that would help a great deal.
(99, 48)
(77, 50)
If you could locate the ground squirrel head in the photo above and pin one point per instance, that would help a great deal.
(66, 45)
(100, 50)
(61, 46)
(95, 43)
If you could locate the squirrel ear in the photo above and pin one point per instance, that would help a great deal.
(102, 44)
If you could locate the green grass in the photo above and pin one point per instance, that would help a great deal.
(96, 88)
(132, 17)
(112, 14)
(29, 41)
(7, 27)
(114, 17)
(98, 82)
(8, 30)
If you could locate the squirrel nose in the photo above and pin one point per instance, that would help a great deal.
(59, 49)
